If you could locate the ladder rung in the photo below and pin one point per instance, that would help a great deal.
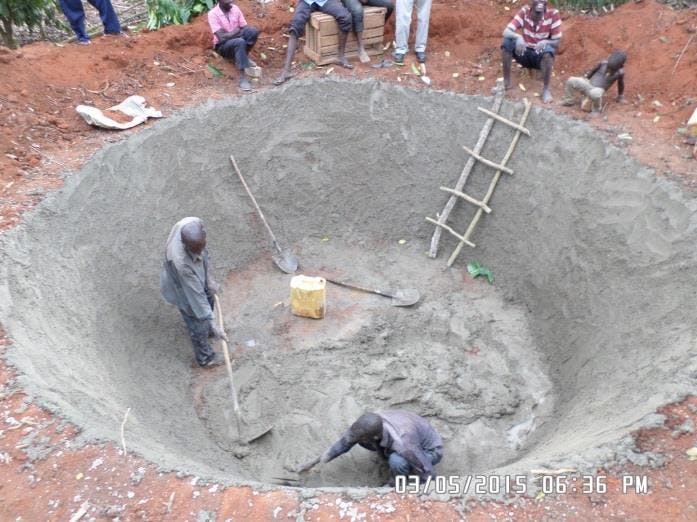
(508, 122)
(472, 200)
(446, 227)
(488, 162)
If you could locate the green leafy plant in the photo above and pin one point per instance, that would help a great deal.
(585, 6)
(476, 269)
(215, 71)
(28, 13)
(175, 12)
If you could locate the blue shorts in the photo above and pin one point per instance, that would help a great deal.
(531, 59)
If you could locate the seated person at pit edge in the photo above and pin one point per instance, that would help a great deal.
(355, 7)
(232, 37)
(405, 440)
(535, 46)
(596, 82)
(303, 11)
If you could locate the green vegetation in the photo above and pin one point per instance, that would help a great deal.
(588, 6)
(30, 13)
(175, 12)
(476, 269)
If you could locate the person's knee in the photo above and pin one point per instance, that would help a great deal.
(398, 464)
(547, 60)
(508, 45)
(345, 21)
(356, 11)
(436, 456)
(596, 93)
(250, 32)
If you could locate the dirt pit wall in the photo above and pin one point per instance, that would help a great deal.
(586, 245)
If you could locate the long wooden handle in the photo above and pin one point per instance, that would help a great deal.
(228, 364)
(360, 288)
(256, 205)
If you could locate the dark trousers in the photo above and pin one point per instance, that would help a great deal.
(355, 7)
(331, 7)
(531, 59)
(236, 49)
(199, 330)
(74, 12)
(401, 466)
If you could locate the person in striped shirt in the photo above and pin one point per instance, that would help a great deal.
(532, 39)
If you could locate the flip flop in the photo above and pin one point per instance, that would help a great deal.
(385, 64)
(344, 63)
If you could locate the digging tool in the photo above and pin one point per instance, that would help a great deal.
(285, 260)
(399, 297)
(233, 393)
(424, 77)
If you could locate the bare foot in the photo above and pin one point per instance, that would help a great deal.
(546, 96)
(363, 56)
(283, 78)
(343, 62)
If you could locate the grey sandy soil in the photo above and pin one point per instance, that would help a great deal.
(594, 260)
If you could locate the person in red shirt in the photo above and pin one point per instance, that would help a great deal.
(232, 37)
(532, 39)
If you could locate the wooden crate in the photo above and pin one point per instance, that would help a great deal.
(322, 36)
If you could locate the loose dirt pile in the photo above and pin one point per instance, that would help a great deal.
(580, 239)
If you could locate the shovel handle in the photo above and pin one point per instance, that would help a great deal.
(228, 364)
(360, 288)
(256, 205)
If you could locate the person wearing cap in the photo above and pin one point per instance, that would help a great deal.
(532, 38)
(186, 282)
(405, 440)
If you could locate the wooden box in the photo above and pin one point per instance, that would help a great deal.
(322, 36)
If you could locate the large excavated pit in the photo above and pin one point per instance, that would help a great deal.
(588, 327)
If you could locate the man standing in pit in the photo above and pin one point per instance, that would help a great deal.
(303, 11)
(233, 38)
(407, 442)
(596, 82)
(536, 44)
(186, 282)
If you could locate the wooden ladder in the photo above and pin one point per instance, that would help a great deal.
(457, 193)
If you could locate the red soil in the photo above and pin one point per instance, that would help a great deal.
(41, 136)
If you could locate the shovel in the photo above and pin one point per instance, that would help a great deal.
(399, 297)
(285, 260)
(233, 393)
(424, 77)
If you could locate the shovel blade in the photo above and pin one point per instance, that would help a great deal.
(287, 262)
(405, 297)
(257, 433)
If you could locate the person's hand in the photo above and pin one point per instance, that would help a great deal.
(218, 333)
(540, 46)
(520, 46)
(213, 287)
(307, 466)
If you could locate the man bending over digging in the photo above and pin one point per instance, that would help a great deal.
(405, 440)
(303, 11)
(596, 81)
